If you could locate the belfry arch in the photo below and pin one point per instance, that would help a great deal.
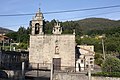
(37, 28)
(37, 23)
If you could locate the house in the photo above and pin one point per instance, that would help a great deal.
(4, 40)
(86, 57)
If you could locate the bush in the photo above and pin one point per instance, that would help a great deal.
(107, 74)
(22, 46)
(111, 64)
(98, 59)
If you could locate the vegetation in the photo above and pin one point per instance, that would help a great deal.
(107, 74)
(87, 32)
(111, 64)
(98, 59)
(89, 28)
(110, 67)
(4, 30)
(21, 37)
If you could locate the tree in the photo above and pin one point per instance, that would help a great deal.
(13, 36)
(23, 34)
(98, 59)
(111, 64)
(22, 46)
(22, 30)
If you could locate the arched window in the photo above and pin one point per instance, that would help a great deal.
(37, 28)
(56, 50)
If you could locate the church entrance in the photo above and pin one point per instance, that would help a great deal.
(56, 63)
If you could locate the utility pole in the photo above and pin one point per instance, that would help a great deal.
(10, 44)
(23, 70)
(37, 69)
(3, 45)
(51, 76)
(103, 47)
(89, 70)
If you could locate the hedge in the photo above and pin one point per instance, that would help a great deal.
(107, 74)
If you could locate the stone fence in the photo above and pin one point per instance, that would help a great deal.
(79, 76)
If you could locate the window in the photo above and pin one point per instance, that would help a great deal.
(91, 66)
(81, 61)
(37, 28)
(56, 50)
(86, 66)
(91, 62)
(91, 58)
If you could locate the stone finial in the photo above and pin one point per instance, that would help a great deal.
(39, 10)
(57, 29)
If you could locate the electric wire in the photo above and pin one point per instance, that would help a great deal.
(91, 15)
(74, 17)
(63, 11)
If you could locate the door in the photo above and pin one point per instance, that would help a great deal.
(56, 63)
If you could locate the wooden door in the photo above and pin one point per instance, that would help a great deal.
(56, 63)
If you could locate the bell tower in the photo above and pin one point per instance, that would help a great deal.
(37, 23)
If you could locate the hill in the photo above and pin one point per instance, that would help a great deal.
(85, 26)
(98, 23)
(5, 30)
(88, 25)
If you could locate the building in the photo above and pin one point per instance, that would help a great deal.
(4, 41)
(12, 59)
(4, 38)
(85, 57)
(56, 48)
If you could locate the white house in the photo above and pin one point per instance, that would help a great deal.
(86, 57)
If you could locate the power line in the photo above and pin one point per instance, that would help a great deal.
(81, 9)
(72, 17)
(92, 15)
(6, 15)
(63, 11)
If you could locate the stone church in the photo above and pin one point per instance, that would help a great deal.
(56, 48)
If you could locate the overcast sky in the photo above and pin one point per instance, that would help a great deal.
(31, 6)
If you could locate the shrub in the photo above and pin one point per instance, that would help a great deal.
(111, 64)
(107, 74)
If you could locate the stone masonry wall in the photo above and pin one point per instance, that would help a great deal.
(42, 49)
(68, 76)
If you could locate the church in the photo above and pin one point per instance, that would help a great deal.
(56, 48)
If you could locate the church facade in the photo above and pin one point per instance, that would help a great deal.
(56, 48)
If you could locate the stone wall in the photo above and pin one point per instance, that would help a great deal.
(105, 78)
(80, 76)
(69, 76)
(42, 49)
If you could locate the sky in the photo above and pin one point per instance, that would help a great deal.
(31, 6)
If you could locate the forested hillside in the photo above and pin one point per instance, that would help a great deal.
(91, 26)
(97, 24)
(86, 26)
(4, 30)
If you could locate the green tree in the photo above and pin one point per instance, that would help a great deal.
(111, 64)
(98, 59)
(23, 35)
(22, 46)
(13, 36)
